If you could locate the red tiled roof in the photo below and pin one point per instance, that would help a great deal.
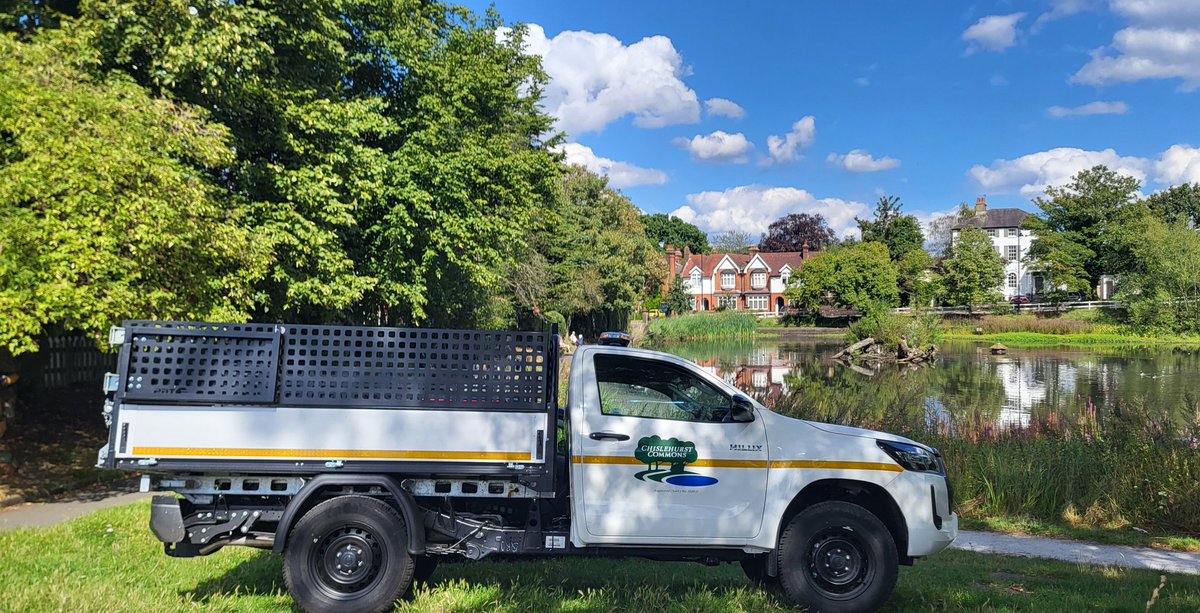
(775, 261)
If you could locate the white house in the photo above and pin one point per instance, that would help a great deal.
(1011, 241)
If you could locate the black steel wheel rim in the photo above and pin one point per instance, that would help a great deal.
(838, 564)
(348, 562)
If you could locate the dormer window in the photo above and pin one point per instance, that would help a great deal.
(694, 279)
(758, 279)
(727, 280)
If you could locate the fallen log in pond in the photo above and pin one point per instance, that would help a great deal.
(869, 349)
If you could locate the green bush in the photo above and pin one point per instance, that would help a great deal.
(921, 330)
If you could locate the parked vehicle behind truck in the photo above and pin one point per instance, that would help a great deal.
(364, 455)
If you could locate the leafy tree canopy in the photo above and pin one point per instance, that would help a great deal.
(1177, 202)
(973, 272)
(109, 203)
(1164, 291)
(901, 233)
(941, 230)
(859, 276)
(1093, 211)
(791, 232)
(663, 230)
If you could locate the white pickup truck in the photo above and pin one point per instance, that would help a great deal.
(364, 455)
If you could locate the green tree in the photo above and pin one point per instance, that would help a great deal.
(732, 241)
(861, 276)
(1177, 201)
(663, 230)
(1163, 292)
(677, 300)
(919, 284)
(941, 229)
(596, 247)
(108, 203)
(1094, 211)
(1062, 259)
(973, 272)
(901, 233)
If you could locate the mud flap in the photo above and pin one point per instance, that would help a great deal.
(166, 520)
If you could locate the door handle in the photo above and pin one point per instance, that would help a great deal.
(599, 436)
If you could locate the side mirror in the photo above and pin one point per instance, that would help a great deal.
(742, 411)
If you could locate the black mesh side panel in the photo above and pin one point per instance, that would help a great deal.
(201, 362)
(414, 367)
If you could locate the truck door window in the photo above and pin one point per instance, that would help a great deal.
(635, 387)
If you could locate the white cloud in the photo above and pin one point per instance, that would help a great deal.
(1029, 175)
(751, 208)
(595, 79)
(718, 147)
(1091, 108)
(720, 107)
(1179, 164)
(993, 33)
(620, 174)
(1161, 42)
(1060, 9)
(998, 80)
(782, 149)
(862, 161)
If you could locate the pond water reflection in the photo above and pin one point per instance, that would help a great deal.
(967, 385)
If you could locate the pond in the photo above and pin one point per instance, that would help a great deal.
(966, 387)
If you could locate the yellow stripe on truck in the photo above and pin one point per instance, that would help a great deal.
(333, 454)
(802, 464)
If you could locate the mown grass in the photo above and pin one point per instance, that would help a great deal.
(110, 562)
(702, 326)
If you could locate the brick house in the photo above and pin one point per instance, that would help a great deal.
(740, 281)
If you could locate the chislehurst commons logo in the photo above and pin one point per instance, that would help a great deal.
(666, 462)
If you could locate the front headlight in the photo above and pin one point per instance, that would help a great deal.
(912, 457)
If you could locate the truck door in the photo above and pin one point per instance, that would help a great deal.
(659, 459)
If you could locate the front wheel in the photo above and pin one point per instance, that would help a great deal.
(837, 557)
(348, 554)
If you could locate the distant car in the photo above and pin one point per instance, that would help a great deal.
(1019, 300)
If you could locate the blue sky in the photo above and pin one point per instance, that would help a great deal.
(836, 103)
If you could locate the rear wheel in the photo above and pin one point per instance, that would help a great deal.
(348, 554)
(837, 557)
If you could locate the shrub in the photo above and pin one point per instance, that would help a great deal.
(921, 330)
(700, 326)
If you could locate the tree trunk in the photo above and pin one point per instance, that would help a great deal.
(866, 342)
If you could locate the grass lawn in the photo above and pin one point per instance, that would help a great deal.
(109, 561)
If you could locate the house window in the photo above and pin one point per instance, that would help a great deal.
(727, 302)
(992, 233)
(1012, 280)
(727, 280)
(1010, 253)
(1012, 232)
(758, 280)
(785, 276)
(757, 302)
(695, 279)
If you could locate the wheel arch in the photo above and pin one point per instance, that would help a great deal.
(308, 497)
(870, 496)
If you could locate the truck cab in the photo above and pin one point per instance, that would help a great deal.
(364, 470)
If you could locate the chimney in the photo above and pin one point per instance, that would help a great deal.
(981, 205)
(753, 250)
(671, 255)
(804, 251)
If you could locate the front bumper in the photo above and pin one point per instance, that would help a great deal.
(928, 514)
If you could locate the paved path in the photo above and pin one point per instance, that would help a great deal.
(40, 514)
(1080, 552)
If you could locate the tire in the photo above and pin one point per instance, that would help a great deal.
(837, 557)
(364, 534)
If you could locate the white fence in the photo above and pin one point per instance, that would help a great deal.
(1032, 307)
